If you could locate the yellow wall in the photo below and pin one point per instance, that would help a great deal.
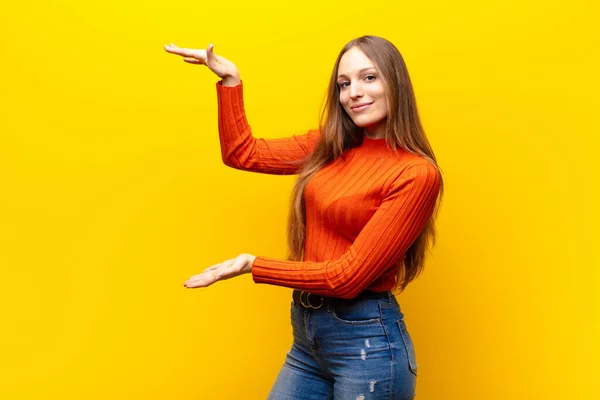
(113, 194)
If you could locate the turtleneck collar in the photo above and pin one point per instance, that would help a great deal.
(373, 143)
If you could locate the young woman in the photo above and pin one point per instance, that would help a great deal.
(362, 217)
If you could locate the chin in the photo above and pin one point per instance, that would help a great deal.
(368, 124)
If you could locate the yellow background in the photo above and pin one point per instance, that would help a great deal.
(113, 194)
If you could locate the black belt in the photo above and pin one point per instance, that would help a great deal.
(316, 301)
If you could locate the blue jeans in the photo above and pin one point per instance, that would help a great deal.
(348, 349)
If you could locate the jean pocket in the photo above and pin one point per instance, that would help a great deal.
(358, 313)
(408, 345)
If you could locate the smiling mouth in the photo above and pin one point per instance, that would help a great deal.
(359, 109)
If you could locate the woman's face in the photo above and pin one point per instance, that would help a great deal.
(362, 93)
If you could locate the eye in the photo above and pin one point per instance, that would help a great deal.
(370, 76)
(342, 84)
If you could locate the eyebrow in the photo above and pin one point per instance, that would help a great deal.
(360, 71)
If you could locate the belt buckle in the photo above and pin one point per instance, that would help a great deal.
(308, 305)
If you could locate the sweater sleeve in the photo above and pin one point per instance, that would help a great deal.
(401, 216)
(240, 150)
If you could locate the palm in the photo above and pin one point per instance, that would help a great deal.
(242, 264)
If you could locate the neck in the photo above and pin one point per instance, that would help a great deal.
(376, 131)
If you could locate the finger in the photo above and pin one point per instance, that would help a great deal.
(192, 60)
(198, 276)
(211, 268)
(212, 274)
(171, 48)
(206, 280)
(189, 53)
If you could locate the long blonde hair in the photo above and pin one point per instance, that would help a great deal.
(338, 133)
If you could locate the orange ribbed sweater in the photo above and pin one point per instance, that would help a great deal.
(363, 210)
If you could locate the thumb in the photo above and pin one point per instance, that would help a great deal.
(210, 54)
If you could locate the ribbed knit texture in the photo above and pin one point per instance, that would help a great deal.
(363, 210)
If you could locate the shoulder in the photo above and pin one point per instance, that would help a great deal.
(406, 162)
(415, 171)
(314, 133)
(420, 166)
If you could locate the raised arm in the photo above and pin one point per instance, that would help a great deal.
(239, 149)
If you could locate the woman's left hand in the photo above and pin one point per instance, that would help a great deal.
(242, 264)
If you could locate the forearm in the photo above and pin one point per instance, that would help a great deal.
(241, 150)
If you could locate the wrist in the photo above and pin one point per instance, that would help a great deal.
(231, 79)
(249, 261)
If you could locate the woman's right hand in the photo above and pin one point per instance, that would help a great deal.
(221, 66)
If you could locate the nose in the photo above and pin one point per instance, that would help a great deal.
(355, 91)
